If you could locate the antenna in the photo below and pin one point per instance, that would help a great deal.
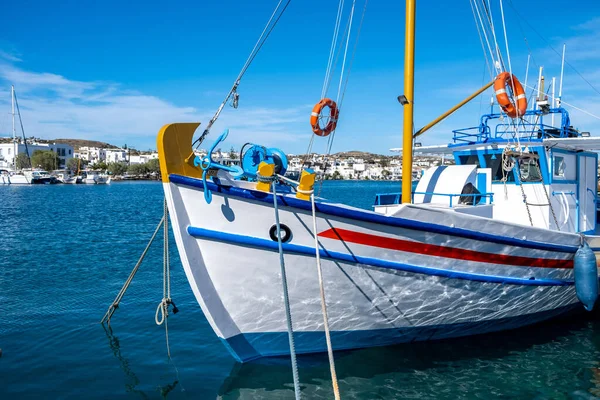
(553, 98)
(562, 70)
(539, 85)
(527, 72)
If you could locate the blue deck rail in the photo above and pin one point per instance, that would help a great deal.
(524, 128)
(387, 199)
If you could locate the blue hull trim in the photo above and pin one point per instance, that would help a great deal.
(373, 262)
(250, 346)
(359, 215)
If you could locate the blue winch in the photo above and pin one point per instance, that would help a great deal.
(586, 276)
(251, 156)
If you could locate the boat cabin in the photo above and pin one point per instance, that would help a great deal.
(530, 173)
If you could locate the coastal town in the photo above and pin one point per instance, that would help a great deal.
(73, 156)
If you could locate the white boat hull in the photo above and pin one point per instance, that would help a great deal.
(387, 280)
(16, 179)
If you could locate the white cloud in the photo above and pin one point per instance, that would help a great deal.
(53, 106)
(9, 56)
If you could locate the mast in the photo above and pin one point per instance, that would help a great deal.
(409, 88)
(14, 132)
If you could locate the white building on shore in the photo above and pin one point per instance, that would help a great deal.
(116, 155)
(91, 154)
(8, 152)
(142, 158)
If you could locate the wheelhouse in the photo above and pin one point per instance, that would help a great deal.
(530, 173)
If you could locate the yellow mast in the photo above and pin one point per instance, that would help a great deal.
(409, 88)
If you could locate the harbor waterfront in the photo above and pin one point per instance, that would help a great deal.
(71, 247)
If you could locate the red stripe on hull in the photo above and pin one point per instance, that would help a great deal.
(441, 251)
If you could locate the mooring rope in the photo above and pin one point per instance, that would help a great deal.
(162, 311)
(334, 381)
(115, 304)
(286, 297)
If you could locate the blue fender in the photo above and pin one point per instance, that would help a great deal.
(586, 276)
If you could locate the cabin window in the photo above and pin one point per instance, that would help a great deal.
(559, 166)
(494, 162)
(8, 151)
(471, 159)
(529, 169)
(563, 166)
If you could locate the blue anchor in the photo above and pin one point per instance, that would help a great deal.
(207, 163)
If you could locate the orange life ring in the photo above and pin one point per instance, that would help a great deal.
(503, 81)
(333, 117)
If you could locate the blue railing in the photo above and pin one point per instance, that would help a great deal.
(476, 200)
(386, 199)
(474, 134)
(525, 129)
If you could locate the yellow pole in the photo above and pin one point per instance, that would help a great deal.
(409, 88)
(450, 111)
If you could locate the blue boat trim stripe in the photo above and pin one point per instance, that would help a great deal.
(373, 262)
(330, 209)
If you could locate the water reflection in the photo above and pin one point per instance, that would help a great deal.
(549, 366)
(132, 381)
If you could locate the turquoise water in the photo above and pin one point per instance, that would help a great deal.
(66, 251)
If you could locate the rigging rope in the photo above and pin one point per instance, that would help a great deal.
(337, 99)
(343, 93)
(257, 47)
(334, 381)
(484, 29)
(336, 28)
(286, 297)
(22, 131)
(568, 104)
(553, 49)
(524, 196)
(488, 11)
(485, 56)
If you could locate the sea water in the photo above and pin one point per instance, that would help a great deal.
(65, 251)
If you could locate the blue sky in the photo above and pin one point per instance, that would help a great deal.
(117, 71)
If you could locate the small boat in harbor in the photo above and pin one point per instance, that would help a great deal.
(39, 177)
(95, 177)
(13, 178)
(27, 177)
(502, 239)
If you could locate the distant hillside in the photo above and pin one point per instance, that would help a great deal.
(77, 143)
(361, 154)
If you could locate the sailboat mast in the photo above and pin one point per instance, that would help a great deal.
(14, 132)
(409, 88)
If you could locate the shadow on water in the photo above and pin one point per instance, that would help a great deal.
(399, 370)
(131, 379)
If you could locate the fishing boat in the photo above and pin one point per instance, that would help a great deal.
(502, 239)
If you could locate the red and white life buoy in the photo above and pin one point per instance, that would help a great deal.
(503, 81)
(316, 113)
